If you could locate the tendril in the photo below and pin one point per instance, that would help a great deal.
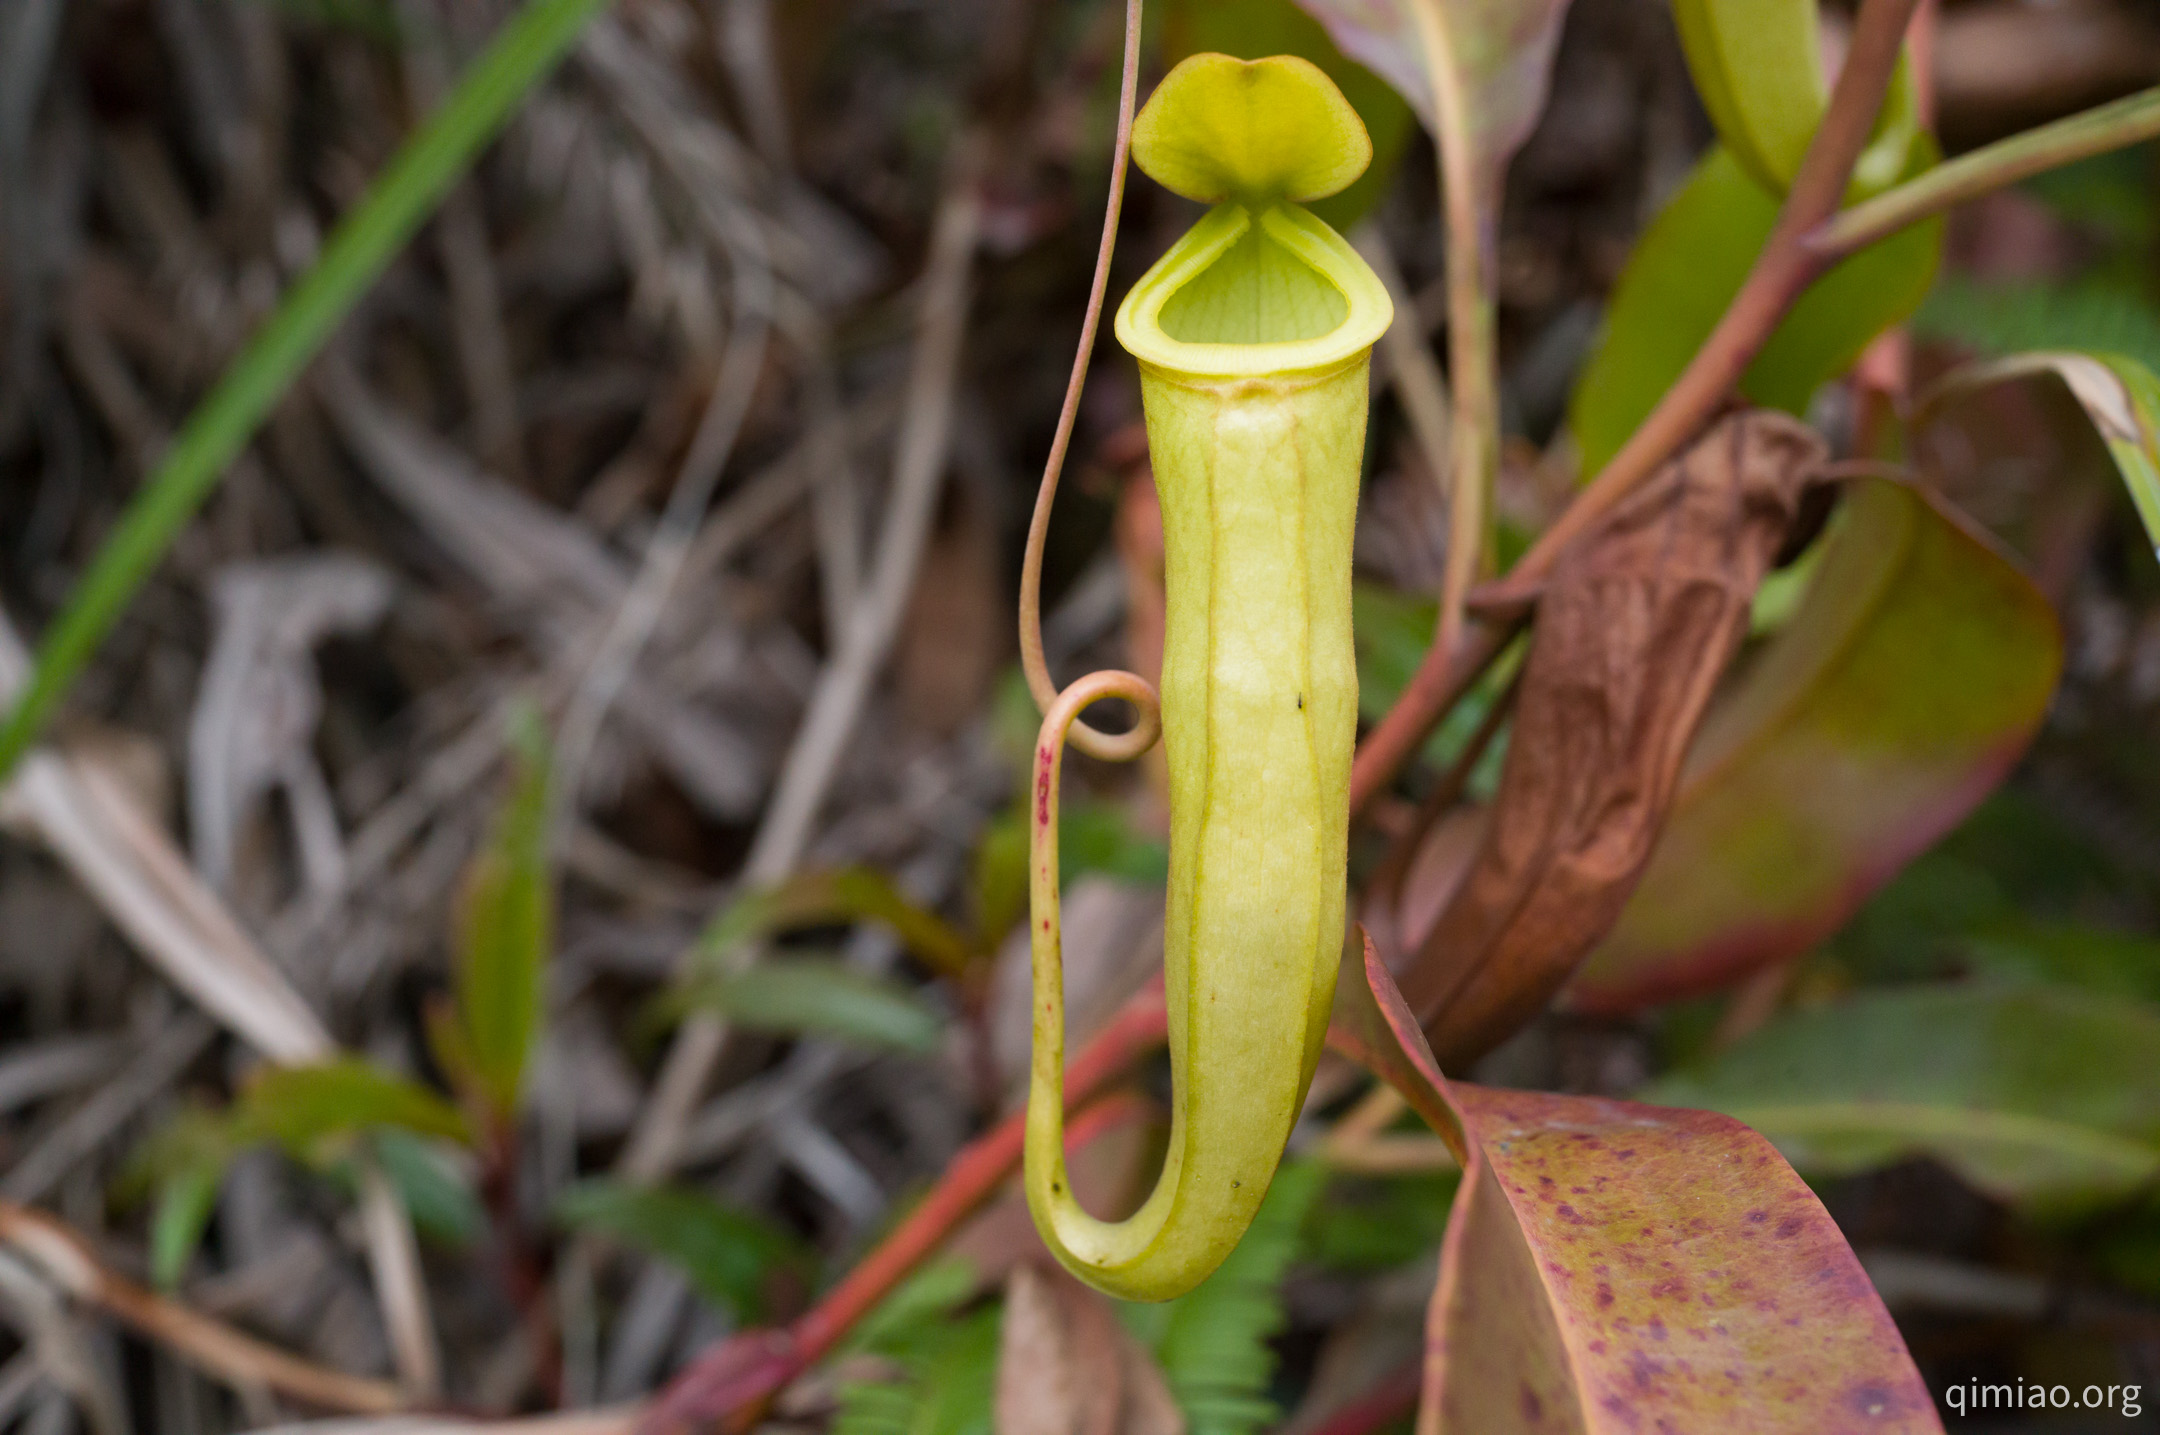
(1112, 747)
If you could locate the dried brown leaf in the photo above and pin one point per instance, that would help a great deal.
(1066, 1367)
(1633, 630)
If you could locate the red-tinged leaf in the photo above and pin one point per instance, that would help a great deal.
(1914, 673)
(735, 1258)
(1613, 1267)
(1379, 35)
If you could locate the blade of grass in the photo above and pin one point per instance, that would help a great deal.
(522, 53)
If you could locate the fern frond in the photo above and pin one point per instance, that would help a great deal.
(947, 1362)
(948, 1384)
(1213, 1342)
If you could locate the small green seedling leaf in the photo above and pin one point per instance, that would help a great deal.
(1373, 1223)
(926, 1299)
(1255, 131)
(507, 923)
(847, 894)
(438, 1197)
(730, 1255)
(946, 1385)
(2120, 395)
(306, 1109)
(312, 1113)
(1915, 671)
(2042, 1097)
(185, 1201)
(807, 997)
(1602, 1255)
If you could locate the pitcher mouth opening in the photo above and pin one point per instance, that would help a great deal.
(1245, 294)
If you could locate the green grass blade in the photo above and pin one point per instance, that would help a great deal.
(522, 53)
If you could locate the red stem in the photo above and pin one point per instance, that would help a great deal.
(1111, 747)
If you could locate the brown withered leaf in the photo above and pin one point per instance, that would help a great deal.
(1633, 629)
(1066, 1367)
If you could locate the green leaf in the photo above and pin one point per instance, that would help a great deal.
(1366, 1224)
(439, 1199)
(821, 898)
(1685, 271)
(730, 1255)
(1916, 670)
(1909, 930)
(2004, 317)
(520, 56)
(1212, 1341)
(1092, 837)
(185, 1202)
(2129, 1252)
(2109, 195)
(303, 1108)
(805, 997)
(1758, 66)
(1392, 630)
(2092, 959)
(313, 1114)
(2046, 1098)
(946, 1362)
(2120, 395)
(507, 925)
